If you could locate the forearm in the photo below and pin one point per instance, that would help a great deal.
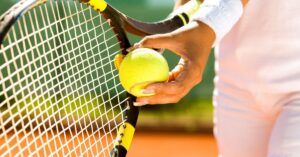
(200, 39)
(195, 36)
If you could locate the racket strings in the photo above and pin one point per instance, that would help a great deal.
(24, 78)
(50, 80)
(61, 94)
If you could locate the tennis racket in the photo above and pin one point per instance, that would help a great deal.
(60, 93)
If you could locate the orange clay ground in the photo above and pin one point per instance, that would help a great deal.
(144, 144)
(173, 145)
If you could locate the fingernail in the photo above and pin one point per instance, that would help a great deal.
(130, 49)
(140, 103)
(147, 91)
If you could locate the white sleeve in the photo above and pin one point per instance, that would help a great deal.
(220, 15)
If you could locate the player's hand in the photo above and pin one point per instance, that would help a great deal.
(193, 44)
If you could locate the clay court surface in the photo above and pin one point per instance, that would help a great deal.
(143, 145)
(173, 145)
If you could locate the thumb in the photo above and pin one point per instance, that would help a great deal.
(156, 41)
(159, 41)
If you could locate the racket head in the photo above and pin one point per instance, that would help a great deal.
(118, 22)
(74, 44)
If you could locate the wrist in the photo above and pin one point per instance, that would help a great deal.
(204, 33)
(206, 37)
(194, 41)
(196, 34)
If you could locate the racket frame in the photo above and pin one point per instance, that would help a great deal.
(119, 22)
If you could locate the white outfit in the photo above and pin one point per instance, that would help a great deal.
(257, 95)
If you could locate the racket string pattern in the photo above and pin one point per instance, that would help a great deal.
(59, 90)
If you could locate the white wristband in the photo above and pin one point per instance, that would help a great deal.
(220, 15)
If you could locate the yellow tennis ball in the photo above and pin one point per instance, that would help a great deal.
(142, 67)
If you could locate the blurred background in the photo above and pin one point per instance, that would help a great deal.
(186, 125)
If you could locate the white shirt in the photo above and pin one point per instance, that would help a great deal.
(262, 51)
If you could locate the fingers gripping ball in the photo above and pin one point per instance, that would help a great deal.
(142, 67)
